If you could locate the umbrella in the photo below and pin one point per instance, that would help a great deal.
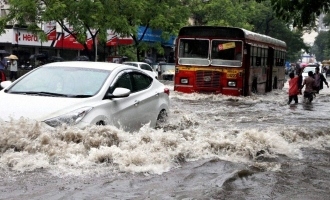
(12, 57)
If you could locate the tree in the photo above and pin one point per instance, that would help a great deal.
(253, 16)
(301, 13)
(166, 15)
(95, 17)
(220, 13)
(75, 17)
(264, 20)
(322, 45)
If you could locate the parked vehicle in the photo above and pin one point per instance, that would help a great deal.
(310, 67)
(142, 65)
(36, 60)
(55, 59)
(166, 71)
(81, 58)
(86, 93)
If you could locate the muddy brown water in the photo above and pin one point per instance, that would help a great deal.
(212, 147)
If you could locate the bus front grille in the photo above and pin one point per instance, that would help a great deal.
(207, 79)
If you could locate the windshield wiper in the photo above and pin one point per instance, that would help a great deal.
(40, 93)
(80, 96)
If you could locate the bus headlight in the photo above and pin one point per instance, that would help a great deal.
(232, 83)
(184, 81)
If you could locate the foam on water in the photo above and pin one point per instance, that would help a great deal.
(237, 129)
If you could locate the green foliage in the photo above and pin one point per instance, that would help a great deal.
(167, 15)
(257, 17)
(78, 17)
(125, 16)
(301, 13)
(321, 46)
(265, 21)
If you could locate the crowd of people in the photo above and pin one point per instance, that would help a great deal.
(313, 84)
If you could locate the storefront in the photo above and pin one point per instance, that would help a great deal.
(24, 44)
(155, 36)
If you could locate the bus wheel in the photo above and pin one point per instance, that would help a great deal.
(275, 83)
(254, 85)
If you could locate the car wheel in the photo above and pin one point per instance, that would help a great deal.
(161, 119)
(100, 123)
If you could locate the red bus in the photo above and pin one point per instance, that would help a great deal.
(228, 60)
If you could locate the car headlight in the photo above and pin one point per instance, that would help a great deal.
(232, 83)
(70, 118)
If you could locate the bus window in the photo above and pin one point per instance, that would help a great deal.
(226, 52)
(194, 48)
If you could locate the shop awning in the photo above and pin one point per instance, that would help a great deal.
(119, 41)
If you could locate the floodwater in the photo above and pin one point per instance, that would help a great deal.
(212, 147)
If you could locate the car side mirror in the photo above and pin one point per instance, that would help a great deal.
(5, 84)
(119, 93)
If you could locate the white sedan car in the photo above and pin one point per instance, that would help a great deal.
(310, 68)
(86, 93)
(144, 66)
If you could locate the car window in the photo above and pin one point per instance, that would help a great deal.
(132, 64)
(123, 81)
(146, 67)
(140, 81)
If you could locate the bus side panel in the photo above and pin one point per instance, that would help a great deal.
(271, 74)
(281, 77)
(278, 77)
(258, 78)
(246, 66)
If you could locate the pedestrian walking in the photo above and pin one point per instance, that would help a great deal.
(309, 89)
(293, 88)
(2, 70)
(319, 80)
(12, 67)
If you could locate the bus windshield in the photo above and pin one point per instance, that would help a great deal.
(196, 51)
(226, 53)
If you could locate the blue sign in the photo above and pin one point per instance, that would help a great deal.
(152, 35)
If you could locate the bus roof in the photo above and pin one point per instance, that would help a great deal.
(230, 32)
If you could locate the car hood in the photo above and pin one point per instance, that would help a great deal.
(40, 108)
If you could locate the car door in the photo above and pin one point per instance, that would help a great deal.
(124, 110)
(147, 97)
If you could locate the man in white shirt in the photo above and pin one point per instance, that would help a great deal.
(13, 69)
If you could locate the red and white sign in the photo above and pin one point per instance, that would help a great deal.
(63, 40)
(113, 39)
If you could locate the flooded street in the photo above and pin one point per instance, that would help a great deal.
(212, 147)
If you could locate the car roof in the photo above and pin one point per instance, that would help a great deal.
(88, 64)
(136, 62)
(309, 67)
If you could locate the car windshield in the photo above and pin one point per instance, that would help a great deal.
(167, 67)
(62, 81)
